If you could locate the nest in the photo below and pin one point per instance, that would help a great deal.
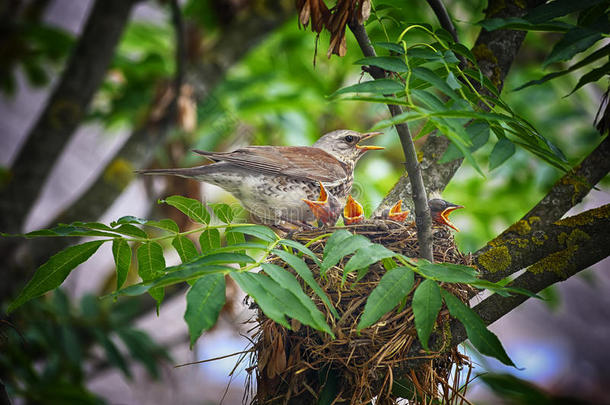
(297, 366)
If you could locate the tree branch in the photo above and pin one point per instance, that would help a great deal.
(572, 245)
(66, 107)
(443, 17)
(512, 249)
(419, 196)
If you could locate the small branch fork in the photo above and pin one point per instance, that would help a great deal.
(420, 198)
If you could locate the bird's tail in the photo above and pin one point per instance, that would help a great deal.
(191, 172)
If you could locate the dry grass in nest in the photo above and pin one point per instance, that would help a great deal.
(292, 366)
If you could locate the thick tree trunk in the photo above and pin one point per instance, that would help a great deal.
(66, 107)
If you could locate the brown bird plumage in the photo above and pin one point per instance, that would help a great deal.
(272, 181)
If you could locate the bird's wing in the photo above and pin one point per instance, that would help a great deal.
(303, 162)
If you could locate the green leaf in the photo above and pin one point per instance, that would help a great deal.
(184, 274)
(426, 305)
(501, 152)
(151, 262)
(558, 8)
(406, 116)
(335, 240)
(366, 256)
(151, 265)
(209, 240)
(303, 270)
(301, 248)
(347, 246)
(522, 24)
(185, 247)
(518, 391)
(121, 251)
(481, 338)
(379, 86)
(503, 290)
(223, 212)
(190, 207)
(139, 347)
(258, 231)
(431, 77)
(483, 80)
(600, 53)
(269, 304)
(392, 288)
(447, 272)
(112, 353)
(128, 219)
(68, 230)
(131, 230)
(166, 224)
(290, 283)
(241, 246)
(389, 63)
(204, 301)
(574, 41)
(592, 76)
(235, 238)
(51, 274)
(452, 81)
(464, 51)
(391, 46)
(215, 258)
(478, 133)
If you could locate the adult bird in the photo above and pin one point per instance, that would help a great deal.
(271, 182)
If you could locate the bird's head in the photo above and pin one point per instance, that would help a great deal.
(440, 210)
(345, 144)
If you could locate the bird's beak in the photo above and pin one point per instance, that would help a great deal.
(397, 214)
(353, 212)
(445, 216)
(366, 136)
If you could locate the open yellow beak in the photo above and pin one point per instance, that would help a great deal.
(353, 212)
(396, 213)
(321, 209)
(445, 216)
(366, 136)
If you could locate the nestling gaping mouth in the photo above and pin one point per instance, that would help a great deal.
(445, 216)
(366, 136)
(396, 213)
(353, 212)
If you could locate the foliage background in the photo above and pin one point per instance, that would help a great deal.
(275, 95)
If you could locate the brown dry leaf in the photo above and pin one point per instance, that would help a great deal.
(314, 10)
(364, 11)
(280, 356)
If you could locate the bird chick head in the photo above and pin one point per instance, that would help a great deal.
(440, 210)
(326, 209)
(353, 212)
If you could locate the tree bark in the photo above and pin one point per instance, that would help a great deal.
(66, 107)
(570, 246)
(506, 253)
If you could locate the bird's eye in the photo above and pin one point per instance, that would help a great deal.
(349, 139)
